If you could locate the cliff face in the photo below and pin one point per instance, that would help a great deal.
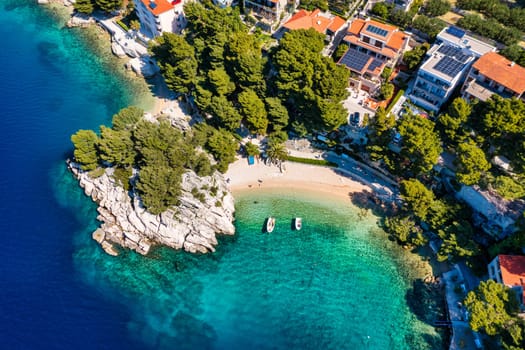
(191, 226)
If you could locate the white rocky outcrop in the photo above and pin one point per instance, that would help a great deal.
(191, 226)
(80, 20)
(144, 66)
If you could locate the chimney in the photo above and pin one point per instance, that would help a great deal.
(318, 23)
(512, 64)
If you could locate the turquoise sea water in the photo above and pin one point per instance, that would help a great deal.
(338, 283)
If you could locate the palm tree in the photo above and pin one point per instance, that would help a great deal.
(276, 153)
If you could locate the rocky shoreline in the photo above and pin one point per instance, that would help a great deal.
(191, 226)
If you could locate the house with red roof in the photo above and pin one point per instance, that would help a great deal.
(372, 47)
(158, 16)
(494, 74)
(510, 271)
(329, 25)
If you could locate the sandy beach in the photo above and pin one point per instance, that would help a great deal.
(298, 177)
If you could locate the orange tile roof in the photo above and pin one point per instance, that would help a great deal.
(394, 39)
(397, 40)
(306, 20)
(337, 23)
(356, 26)
(513, 270)
(160, 6)
(502, 71)
(386, 51)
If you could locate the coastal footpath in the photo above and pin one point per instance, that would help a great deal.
(192, 225)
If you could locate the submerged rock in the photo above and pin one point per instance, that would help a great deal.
(191, 226)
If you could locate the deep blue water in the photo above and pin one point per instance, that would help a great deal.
(338, 284)
(50, 86)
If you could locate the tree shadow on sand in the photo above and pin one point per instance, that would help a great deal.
(368, 200)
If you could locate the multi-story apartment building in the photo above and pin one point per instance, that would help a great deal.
(445, 67)
(158, 16)
(269, 13)
(439, 75)
(494, 74)
(372, 47)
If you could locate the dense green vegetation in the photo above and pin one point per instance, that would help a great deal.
(434, 8)
(478, 133)
(311, 5)
(415, 56)
(500, 11)
(88, 6)
(474, 134)
(426, 23)
(386, 91)
(490, 28)
(159, 152)
(448, 220)
(493, 309)
(84, 6)
(514, 53)
(222, 66)
(500, 21)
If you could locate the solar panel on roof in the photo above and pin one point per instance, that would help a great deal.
(376, 30)
(374, 64)
(354, 59)
(455, 31)
(455, 52)
(449, 66)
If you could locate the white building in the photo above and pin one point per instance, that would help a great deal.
(446, 65)
(456, 37)
(158, 16)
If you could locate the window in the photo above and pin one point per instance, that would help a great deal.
(366, 39)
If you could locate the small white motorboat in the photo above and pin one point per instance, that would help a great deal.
(297, 223)
(270, 224)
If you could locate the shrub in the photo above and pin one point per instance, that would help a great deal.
(394, 100)
(123, 25)
(508, 188)
(321, 162)
(122, 175)
(95, 173)
(386, 91)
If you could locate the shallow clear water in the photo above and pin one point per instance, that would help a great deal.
(331, 285)
(338, 283)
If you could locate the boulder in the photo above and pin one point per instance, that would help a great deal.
(117, 49)
(144, 66)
